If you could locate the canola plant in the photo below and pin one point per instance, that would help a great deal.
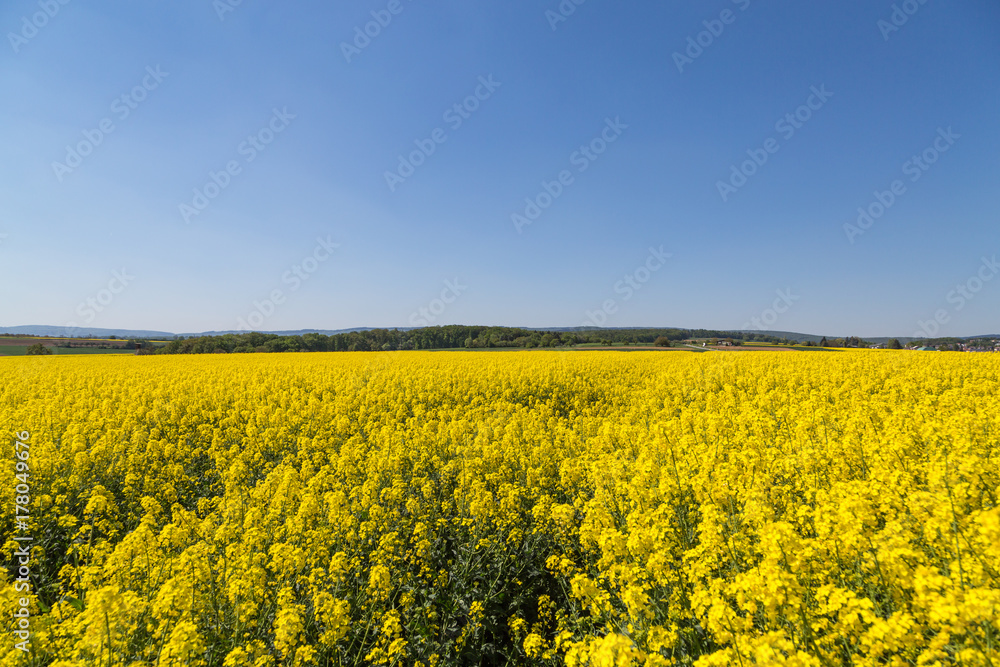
(522, 508)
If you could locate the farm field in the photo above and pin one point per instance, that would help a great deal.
(22, 350)
(446, 508)
(17, 346)
(90, 350)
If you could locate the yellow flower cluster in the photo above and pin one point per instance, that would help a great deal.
(438, 508)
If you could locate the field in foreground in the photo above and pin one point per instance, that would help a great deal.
(442, 508)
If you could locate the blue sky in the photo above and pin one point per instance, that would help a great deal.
(639, 232)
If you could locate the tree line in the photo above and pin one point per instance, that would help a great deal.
(439, 338)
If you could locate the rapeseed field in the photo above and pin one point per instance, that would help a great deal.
(522, 508)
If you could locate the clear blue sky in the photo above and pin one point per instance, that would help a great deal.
(678, 124)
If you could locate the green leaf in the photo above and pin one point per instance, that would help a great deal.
(74, 602)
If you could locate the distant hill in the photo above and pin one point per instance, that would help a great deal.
(81, 332)
(791, 335)
(91, 332)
